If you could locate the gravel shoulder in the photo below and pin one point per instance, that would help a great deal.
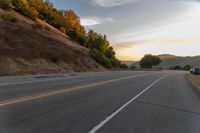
(195, 81)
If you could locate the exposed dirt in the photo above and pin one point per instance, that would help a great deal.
(195, 81)
(24, 50)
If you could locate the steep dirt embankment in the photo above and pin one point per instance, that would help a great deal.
(25, 50)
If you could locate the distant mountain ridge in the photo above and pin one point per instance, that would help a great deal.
(169, 60)
(181, 61)
(167, 56)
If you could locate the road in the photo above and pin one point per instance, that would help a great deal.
(101, 102)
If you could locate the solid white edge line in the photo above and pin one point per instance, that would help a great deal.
(101, 124)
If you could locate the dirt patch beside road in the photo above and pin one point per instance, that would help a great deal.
(195, 81)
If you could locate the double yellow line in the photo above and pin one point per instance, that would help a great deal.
(46, 94)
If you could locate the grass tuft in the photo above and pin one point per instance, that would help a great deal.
(36, 26)
(8, 17)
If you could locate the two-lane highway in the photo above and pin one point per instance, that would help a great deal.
(103, 102)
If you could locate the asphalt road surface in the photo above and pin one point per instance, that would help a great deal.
(102, 102)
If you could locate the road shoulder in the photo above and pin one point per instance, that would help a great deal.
(194, 81)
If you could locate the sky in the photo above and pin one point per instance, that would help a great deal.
(138, 27)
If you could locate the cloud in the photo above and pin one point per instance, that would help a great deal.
(157, 42)
(111, 3)
(90, 21)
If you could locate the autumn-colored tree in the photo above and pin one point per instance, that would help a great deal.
(72, 18)
(23, 7)
(74, 28)
(45, 9)
(68, 22)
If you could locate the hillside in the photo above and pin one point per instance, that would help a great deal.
(181, 61)
(128, 62)
(27, 48)
(167, 56)
(172, 60)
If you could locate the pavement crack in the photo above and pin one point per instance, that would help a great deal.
(168, 107)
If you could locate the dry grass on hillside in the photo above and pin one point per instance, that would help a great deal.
(24, 50)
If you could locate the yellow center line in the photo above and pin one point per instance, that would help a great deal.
(46, 94)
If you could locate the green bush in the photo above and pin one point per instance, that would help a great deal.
(55, 57)
(8, 17)
(36, 26)
(187, 67)
(101, 58)
(115, 62)
(124, 66)
(149, 61)
(177, 67)
(4, 4)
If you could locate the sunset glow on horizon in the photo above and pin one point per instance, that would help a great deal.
(138, 27)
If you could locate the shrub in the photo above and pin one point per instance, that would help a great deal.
(32, 13)
(187, 67)
(55, 57)
(47, 28)
(23, 7)
(133, 67)
(115, 62)
(123, 66)
(63, 30)
(101, 58)
(5, 4)
(8, 17)
(36, 26)
(177, 67)
(73, 35)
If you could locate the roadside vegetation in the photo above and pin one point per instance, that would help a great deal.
(149, 61)
(178, 67)
(5, 4)
(8, 17)
(68, 22)
(36, 26)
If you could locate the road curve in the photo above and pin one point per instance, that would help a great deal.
(103, 102)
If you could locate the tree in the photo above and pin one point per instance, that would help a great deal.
(23, 7)
(68, 22)
(45, 9)
(101, 58)
(149, 61)
(97, 42)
